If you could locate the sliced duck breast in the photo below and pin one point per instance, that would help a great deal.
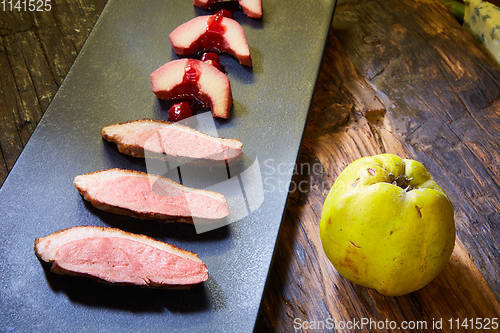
(162, 137)
(115, 256)
(147, 196)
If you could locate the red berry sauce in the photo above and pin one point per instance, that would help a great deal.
(191, 73)
(188, 90)
(212, 58)
(213, 38)
(179, 111)
(225, 13)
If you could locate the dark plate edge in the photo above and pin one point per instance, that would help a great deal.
(325, 36)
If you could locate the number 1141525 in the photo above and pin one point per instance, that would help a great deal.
(26, 5)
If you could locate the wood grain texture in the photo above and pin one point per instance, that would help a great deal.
(444, 94)
(401, 77)
(36, 52)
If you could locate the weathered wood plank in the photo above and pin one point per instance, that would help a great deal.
(445, 95)
(37, 50)
(77, 18)
(303, 284)
(3, 169)
(14, 22)
(39, 70)
(10, 139)
(29, 112)
(59, 52)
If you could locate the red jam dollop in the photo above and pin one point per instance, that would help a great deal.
(191, 73)
(213, 38)
(179, 111)
(188, 90)
(225, 12)
(212, 58)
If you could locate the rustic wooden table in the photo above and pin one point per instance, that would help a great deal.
(399, 76)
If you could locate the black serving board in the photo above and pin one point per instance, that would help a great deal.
(109, 83)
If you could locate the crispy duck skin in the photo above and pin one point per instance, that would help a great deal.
(147, 196)
(166, 138)
(114, 256)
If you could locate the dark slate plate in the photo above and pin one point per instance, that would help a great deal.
(109, 83)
